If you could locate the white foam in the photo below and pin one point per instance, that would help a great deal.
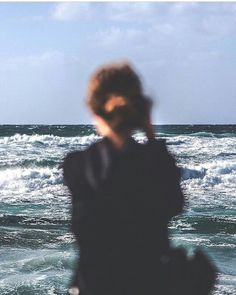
(48, 139)
(226, 285)
(201, 147)
(220, 173)
(23, 183)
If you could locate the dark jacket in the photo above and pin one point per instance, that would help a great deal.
(122, 201)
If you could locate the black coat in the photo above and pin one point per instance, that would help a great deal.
(122, 201)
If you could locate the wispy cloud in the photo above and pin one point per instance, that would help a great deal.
(205, 18)
(129, 11)
(47, 59)
(70, 11)
(186, 51)
(116, 36)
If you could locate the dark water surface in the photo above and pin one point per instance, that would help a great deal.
(36, 247)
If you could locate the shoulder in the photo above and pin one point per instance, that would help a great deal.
(157, 142)
(158, 147)
(159, 150)
(71, 158)
(75, 166)
(77, 156)
(74, 162)
(70, 165)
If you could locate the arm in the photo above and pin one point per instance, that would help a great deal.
(70, 175)
(70, 171)
(174, 191)
(148, 128)
(168, 178)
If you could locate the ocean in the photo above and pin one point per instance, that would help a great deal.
(37, 250)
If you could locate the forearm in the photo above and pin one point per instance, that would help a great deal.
(176, 195)
(76, 284)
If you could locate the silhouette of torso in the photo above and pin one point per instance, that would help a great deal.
(122, 201)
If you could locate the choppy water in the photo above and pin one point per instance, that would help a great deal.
(36, 248)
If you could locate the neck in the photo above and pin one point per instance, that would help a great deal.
(118, 140)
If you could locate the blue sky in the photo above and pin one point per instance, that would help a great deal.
(185, 53)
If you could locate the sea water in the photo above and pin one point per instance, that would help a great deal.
(37, 250)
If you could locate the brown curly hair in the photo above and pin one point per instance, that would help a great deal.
(115, 93)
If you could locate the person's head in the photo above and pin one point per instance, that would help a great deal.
(115, 97)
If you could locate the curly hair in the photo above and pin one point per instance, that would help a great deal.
(115, 93)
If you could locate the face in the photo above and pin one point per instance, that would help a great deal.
(101, 125)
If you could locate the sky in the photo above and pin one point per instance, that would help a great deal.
(184, 52)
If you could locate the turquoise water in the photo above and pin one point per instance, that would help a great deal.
(37, 250)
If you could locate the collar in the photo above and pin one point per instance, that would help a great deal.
(130, 141)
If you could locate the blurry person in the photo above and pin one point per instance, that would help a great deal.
(124, 194)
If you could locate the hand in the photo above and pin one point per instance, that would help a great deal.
(73, 291)
(148, 128)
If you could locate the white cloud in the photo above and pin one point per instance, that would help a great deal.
(193, 17)
(34, 61)
(183, 7)
(72, 11)
(115, 36)
(129, 11)
(111, 11)
(180, 47)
